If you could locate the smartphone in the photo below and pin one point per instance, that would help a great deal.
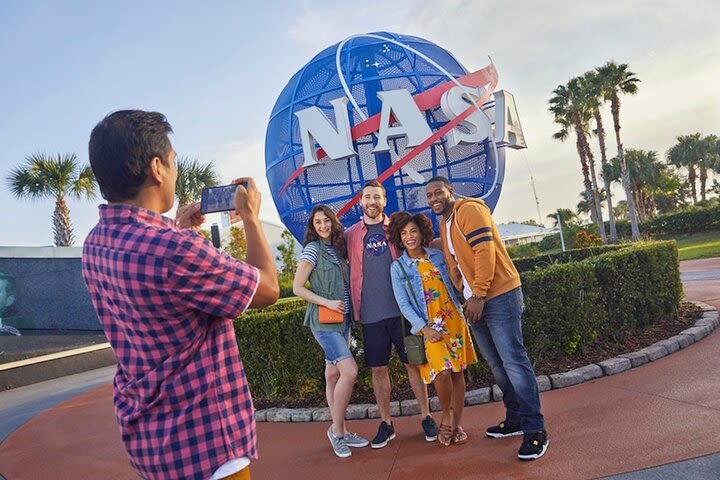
(219, 199)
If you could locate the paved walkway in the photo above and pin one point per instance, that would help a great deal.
(664, 412)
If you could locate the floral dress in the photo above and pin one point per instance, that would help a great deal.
(455, 351)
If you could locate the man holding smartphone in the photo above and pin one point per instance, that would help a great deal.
(166, 299)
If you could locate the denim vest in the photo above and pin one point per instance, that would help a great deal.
(327, 280)
(415, 309)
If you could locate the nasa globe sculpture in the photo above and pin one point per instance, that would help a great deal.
(390, 107)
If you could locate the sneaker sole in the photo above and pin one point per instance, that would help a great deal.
(430, 439)
(503, 435)
(341, 455)
(381, 445)
(534, 456)
(358, 445)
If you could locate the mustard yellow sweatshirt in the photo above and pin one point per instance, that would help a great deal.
(479, 250)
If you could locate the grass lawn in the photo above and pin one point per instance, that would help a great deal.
(692, 246)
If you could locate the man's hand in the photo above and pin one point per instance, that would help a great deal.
(189, 216)
(431, 334)
(247, 200)
(473, 309)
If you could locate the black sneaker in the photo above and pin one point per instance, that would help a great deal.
(534, 446)
(384, 435)
(430, 428)
(505, 429)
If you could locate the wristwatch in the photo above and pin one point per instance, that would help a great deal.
(478, 297)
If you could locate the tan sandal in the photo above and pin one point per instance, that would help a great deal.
(445, 435)
(459, 436)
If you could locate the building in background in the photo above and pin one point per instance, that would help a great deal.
(520, 234)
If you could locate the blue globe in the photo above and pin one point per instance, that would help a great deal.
(368, 65)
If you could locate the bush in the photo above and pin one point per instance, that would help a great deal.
(576, 254)
(523, 250)
(286, 285)
(587, 240)
(639, 284)
(563, 309)
(571, 299)
(689, 221)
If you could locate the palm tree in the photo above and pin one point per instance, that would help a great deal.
(569, 107)
(650, 180)
(192, 178)
(60, 176)
(684, 155)
(595, 95)
(584, 206)
(567, 216)
(616, 79)
(697, 154)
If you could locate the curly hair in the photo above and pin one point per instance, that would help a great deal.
(399, 220)
(337, 239)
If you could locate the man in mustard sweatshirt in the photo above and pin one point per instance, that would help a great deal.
(481, 269)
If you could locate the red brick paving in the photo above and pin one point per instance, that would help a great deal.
(648, 416)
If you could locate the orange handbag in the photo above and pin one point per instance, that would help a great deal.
(328, 315)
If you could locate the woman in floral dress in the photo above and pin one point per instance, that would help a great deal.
(420, 282)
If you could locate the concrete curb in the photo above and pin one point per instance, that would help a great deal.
(709, 321)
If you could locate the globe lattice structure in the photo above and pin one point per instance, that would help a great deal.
(369, 65)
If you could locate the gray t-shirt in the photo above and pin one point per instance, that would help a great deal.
(377, 301)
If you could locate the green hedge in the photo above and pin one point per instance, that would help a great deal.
(690, 221)
(569, 305)
(639, 284)
(576, 254)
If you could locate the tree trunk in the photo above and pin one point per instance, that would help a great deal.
(691, 180)
(603, 163)
(62, 226)
(593, 199)
(585, 171)
(703, 180)
(624, 173)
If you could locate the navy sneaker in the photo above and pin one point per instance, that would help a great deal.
(534, 446)
(384, 435)
(505, 429)
(430, 428)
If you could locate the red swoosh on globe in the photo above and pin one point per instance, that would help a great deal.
(425, 100)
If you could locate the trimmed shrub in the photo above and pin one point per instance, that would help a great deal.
(576, 254)
(690, 221)
(639, 285)
(563, 309)
(571, 300)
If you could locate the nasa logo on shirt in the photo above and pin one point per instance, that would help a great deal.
(375, 244)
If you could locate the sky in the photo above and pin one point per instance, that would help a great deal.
(215, 70)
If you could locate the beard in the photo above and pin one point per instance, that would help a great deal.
(378, 212)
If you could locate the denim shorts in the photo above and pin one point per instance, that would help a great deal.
(336, 345)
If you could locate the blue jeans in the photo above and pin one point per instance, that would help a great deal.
(335, 345)
(499, 338)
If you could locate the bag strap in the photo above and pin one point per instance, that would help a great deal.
(412, 292)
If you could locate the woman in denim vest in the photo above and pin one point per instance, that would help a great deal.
(427, 299)
(323, 263)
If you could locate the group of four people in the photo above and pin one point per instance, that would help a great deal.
(166, 299)
(383, 273)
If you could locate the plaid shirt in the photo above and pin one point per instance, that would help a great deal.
(166, 299)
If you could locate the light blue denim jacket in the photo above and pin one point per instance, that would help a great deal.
(416, 314)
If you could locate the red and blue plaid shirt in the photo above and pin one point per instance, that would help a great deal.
(166, 299)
